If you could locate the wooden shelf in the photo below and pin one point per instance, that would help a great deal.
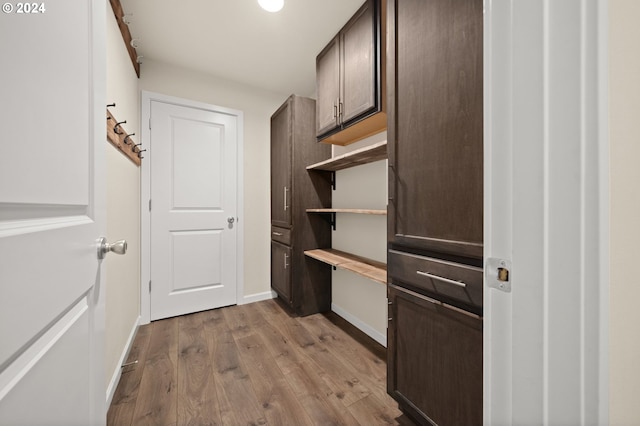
(369, 154)
(356, 211)
(374, 270)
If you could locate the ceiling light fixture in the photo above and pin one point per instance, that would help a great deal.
(271, 5)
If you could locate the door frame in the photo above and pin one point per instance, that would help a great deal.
(524, 337)
(145, 194)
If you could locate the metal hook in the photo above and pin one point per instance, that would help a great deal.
(135, 148)
(127, 137)
(111, 105)
(116, 127)
(140, 152)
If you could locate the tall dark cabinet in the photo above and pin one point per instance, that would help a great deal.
(435, 224)
(305, 285)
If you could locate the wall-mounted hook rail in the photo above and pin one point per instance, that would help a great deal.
(119, 138)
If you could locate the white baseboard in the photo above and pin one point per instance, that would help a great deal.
(258, 297)
(115, 378)
(357, 322)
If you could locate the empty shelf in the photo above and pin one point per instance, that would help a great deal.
(365, 155)
(357, 211)
(374, 270)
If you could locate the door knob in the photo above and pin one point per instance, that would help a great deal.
(231, 219)
(119, 247)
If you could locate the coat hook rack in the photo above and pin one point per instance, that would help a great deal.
(119, 138)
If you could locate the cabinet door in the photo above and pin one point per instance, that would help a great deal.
(281, 270)
(281, 145)
(327, 87)
(435, 125)
(360, 73)
(434, 360)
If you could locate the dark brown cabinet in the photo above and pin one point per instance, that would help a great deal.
(435, 223)
(302, 283)
(434, 361)
(348, 77)
(435, 126)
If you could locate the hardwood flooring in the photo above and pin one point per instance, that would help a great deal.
(253, 365)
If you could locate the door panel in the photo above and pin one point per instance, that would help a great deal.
(52, 212)
(328, 87)
(281, 270)
(281, 139)
(359, 73)
(437, 93)
(435, 365)
(193, 191)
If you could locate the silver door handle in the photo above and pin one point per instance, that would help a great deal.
(285, 198)
(231, 219)
(443, 279)
(278, 234)
(119, 247)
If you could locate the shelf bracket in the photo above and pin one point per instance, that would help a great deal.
(332, 220)
(333, 181)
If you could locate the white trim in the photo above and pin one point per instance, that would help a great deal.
(115, 377)
(257, 297)
(145, 190)
(364, 327)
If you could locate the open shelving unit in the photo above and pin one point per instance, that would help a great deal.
(371, 269)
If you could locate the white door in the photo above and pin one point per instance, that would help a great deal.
(52, 121)
(545, 210)
(193, 157)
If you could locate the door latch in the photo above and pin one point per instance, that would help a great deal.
(498, 274)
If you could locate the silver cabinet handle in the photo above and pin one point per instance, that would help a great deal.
(285, 198)
(285, 261)
(119, 247)
(278, 234)
(231, 219)
(443, 279)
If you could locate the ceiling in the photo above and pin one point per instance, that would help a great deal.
(238, 40)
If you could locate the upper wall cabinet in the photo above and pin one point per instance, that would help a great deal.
(349, 78)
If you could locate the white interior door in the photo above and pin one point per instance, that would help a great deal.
(51, 213)
(193, 155)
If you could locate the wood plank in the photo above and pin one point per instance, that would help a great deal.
(374, 270)
(280, 404)
(197, 393)
(355, 211)
(118, 140)
(126, 34)
(124, 399)
(368, 154)
(157, 397)
(237, 391)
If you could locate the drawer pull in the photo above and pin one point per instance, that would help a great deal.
(279, 234)
(446, 280)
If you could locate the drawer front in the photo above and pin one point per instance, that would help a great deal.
(439, 278)
(281, 235)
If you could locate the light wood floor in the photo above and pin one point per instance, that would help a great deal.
(252, 365)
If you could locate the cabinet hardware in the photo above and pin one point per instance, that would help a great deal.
(443, 279)
(339, 112)
(285, 261)
(277, 234)
(285, 198)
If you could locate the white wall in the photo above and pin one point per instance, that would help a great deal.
(361, 301)
(624, 115)
(123, 207)
(257, 106)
